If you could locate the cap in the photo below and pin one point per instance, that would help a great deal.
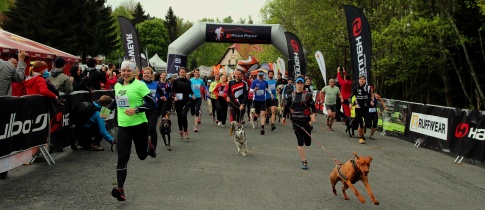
(299, 79)
(128, 64)
(260, 73)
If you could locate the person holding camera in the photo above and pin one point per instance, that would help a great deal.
(345, 89)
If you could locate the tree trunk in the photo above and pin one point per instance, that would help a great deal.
(461, 82)
(467, 57)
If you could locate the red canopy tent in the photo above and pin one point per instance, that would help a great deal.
(10, 43)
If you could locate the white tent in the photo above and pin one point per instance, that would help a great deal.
(157, 63)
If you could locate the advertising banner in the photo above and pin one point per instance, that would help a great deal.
(175, 62)
(296, 61)
(360, 42)
(429, 125)
(129, 37)
(238, 34)
(321, 65)
(468, 136)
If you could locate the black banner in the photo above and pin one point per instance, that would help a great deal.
(468, 135)
(131, 43)
(175, 62)
(296, 60)
(360, 42)
(22, 125)
(238, 34)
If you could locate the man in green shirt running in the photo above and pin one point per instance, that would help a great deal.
(330, 93)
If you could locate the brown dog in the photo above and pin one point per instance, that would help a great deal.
(351, 172)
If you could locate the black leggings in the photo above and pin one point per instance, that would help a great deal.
(222, 110)
(214, 109)
(362, 116)
(195, 106)
(249, 103)
(301, 136)
(182, 108)
(236, 114)
(139, 135)
(152, 117)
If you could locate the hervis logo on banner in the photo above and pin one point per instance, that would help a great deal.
(473, 133)
(357, 26)
(429, 125)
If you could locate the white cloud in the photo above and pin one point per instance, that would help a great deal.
(194, 10)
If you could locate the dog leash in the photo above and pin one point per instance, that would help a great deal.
(321, 146)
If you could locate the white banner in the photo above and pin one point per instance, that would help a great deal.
(281, 66)
(429, 125)
(276, 70)
(321, 65)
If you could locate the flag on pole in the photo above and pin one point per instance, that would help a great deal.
(321, 65)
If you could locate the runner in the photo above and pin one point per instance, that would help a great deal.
(213, 97)
(181, 90)
(165, 102)
(237, 95)
(302, 108)
(362, 93)
(197, 84)
(132, 99)
(271, 100)
(374, 118)
(221, 94)
(249, 102)
(260, 87)
(287, 90)
(153, 114)
(330, 93)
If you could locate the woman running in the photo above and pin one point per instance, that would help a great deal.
(165, 102)
(181, 89)
(249, 102)
(153, 114)
(213, 97)
(132, 99)
(221, 94)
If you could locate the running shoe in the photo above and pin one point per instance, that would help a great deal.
(195, 129)
(181, 134)
(361, 140)
(118, 193)
(219, 124)
(151, 149)
(262, 131)
(304, 165)
(273, 127)
(186, 135)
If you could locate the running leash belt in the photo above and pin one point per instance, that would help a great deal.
(330, 154)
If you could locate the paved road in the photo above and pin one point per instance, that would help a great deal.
(206, 172)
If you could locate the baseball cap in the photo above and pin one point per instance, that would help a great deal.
(299, 79)
(260, 73)
(128, 64)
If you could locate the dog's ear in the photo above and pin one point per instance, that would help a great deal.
(370, 158)
(355, 154)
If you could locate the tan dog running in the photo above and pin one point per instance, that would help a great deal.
(351, 172)
(252, 113)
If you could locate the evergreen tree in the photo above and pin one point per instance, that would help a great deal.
(139, 14)
(171, 24)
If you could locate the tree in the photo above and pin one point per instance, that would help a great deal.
(139, 14)
(79, 27)
(171, 24)
(129, 5)
(154, 36)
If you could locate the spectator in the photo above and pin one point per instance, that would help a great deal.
(111, 78)
(58, 78)
(9, 73)
(75, 78)
(93, 130)
(93, 77)
(35, 83)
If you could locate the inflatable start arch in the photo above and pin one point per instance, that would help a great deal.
(286, 42)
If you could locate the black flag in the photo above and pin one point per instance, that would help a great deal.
(360, 42)
(296, 59)
(131, 44)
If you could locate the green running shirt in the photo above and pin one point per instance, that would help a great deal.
(130, 96)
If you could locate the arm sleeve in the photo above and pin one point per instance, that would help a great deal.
(174, 88)
(102, 127)
(216, 93)
(67, 86)
(245, 94)
(42, 85)
(251, 89)
(149, 103)
(111, 81)
(311, 103)
(286, 110)
(18, 75)
(229, 93)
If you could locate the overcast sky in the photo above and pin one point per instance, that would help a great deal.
(194, 10)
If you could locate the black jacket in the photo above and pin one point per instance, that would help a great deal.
(92, 79)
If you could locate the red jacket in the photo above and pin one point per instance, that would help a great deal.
(345, 86)
(110, 82)
(220, 91)
(37, 85)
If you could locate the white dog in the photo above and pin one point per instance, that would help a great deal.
(252, 113)
(240, 138)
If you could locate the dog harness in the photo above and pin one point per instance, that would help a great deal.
(357, 172)
(238, 140)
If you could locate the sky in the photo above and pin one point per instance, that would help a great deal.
(194, 10)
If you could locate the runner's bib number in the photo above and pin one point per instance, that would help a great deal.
(260, 92)
(180, 96)
(196, 86)
(372, 110)
(272, 87)
(153, 93)
(122, 101)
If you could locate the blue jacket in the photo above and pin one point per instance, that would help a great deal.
(99, 121)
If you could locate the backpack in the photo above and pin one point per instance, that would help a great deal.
(81, 113)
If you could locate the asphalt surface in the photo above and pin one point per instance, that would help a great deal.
(206, 172)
